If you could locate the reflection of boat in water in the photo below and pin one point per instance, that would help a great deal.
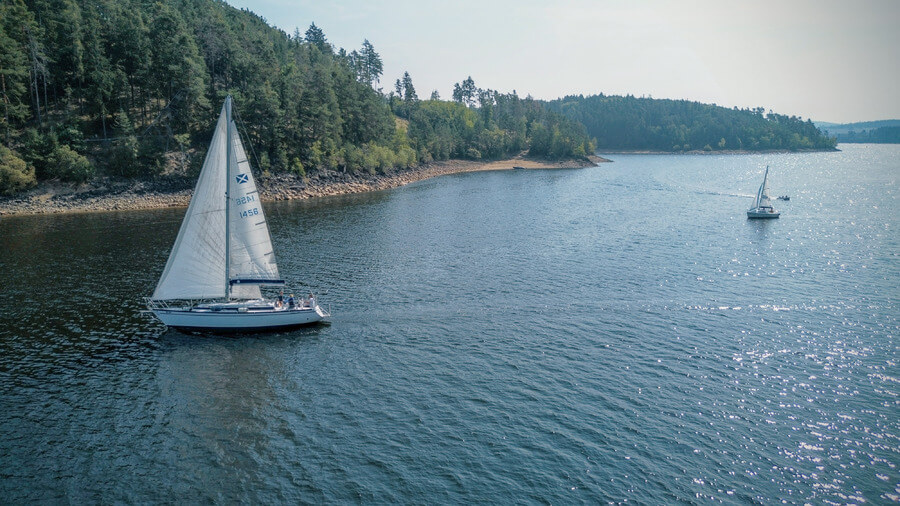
(223, 253)
(762, 204)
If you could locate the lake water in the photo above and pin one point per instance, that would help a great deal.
(613, 333)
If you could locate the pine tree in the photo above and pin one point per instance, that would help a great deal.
(409, 91)
(371, 66)
(13, 68)
(316, 37)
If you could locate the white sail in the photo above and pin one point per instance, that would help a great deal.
(762, 196)
(225, 191)
(196, 266)
(252, 260)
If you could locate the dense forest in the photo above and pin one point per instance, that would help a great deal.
(880, 135)
(630, 123)
(131, 89)
(878, 132)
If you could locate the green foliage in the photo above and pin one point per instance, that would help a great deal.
(409, 91)
(297, 168)
(316, 37)
(37, 150)
(466, 92)
(13, 67)
(122, 158)
(53, 160)
(68, 165)
(882, 134)
(367, 64)
(132, 84)
(150, 156)
(676, 125)
(15, 174)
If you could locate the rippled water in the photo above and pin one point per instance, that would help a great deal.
(607, 334)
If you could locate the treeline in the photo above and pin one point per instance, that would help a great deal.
(129, 88)
(630, 123)
(880, 135)
(483, 123)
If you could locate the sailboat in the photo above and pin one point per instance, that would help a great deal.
(762, 204)
(223, 254)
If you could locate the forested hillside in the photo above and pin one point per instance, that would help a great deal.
(129, 88)
(881, 135)
(881, 132)
(630, 123)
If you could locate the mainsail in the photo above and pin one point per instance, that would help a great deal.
(225, 213)
(762, 195)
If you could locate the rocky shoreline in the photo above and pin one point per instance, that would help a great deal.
(175, 191)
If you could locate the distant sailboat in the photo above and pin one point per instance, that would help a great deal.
(762, 204)
(223, 253)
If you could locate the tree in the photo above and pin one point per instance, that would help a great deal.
(466, 92)
(129, 50)
(20, 26)
(316, 37)
(409, 91)
(99, 75)
(15, 174)
(370, 66)
(13, 67)
(178, 73)
(60, 27)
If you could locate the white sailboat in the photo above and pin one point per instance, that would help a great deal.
(762, 204)
(223, 253)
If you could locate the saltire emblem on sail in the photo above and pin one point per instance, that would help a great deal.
(223, 249)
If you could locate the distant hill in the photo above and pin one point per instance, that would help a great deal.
(630, 123)
(884, 131)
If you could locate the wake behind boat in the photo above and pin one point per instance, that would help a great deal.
(223, 254)
(762, 204)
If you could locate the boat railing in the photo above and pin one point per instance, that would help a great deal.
(154, 304)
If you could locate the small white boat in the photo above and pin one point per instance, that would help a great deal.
(762, 204)
(223, 253)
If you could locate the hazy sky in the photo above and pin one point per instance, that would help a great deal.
(826, 60)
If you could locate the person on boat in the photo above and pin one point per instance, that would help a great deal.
(312, 301)
(279, 301)
(291, 302)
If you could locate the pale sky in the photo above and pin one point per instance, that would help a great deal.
(827, 60)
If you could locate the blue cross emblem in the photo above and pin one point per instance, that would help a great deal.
(241, 178)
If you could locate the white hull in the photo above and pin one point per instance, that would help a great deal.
(762, 212)
(267, 319)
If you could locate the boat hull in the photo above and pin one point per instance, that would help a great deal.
(239, 321)
(762, 213)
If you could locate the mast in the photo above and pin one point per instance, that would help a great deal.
(227, 197)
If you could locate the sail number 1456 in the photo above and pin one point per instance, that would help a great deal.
(249, 212)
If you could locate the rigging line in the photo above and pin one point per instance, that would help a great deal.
(247, 135)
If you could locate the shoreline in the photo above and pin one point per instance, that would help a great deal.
(108, 195)
(720, 152)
